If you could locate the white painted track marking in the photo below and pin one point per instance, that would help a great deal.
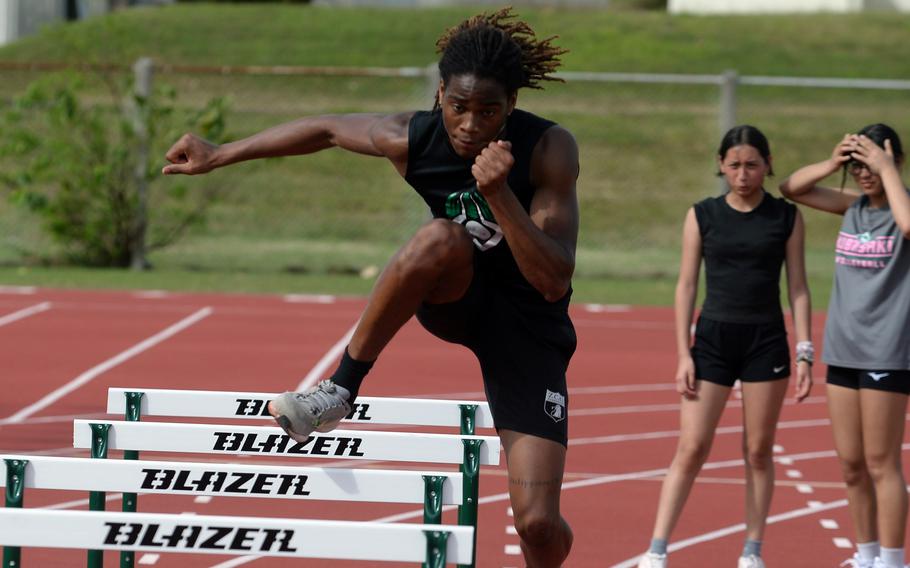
(97, 370)
(330, 357)
(24, 313)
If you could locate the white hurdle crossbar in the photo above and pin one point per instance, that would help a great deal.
(366, 410)
(230, 480)
(235, 535)
(260, 440)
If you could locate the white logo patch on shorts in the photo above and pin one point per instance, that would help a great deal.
(555, 406)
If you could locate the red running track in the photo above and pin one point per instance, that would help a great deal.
(624, 420)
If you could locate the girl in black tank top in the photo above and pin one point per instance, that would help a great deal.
(744, 237)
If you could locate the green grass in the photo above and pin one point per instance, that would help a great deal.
(647, 150)
(645, 41)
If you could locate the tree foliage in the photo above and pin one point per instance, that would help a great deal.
(71, 155)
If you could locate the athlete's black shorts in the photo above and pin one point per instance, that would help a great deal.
(751, 352)
(882, 379)
(524, 348)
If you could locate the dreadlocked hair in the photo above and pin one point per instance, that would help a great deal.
(495, 46)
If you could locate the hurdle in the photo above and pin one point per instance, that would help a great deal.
(269, 440)
(433, 489)
(435, 545)
(467, 416)
(232, 480)
(470, 452)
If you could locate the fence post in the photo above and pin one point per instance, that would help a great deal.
(728, 83)
(142, 93)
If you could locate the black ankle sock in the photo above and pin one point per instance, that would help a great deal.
(350, 373)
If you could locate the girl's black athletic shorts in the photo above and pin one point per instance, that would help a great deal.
(751, 352)
(523, 346)
(890, 380)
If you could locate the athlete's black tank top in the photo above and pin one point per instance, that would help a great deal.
(444, 180)
(743, 255)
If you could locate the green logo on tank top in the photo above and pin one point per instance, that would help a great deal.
(470, 209)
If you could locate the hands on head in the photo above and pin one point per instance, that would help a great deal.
(862, 149)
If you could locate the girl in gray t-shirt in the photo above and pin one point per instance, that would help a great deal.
(867, 334)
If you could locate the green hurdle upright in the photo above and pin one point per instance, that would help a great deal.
(15, 485)
(470, 471)
(130, 500)
(96, 499)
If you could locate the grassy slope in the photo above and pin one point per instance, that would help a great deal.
(646, 150)
(814, 45)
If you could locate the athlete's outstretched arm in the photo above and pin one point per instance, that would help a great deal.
(543, 242)
(802, 186)
(371, 134)
(800, 300)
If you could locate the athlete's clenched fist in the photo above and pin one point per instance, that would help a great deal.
(190, 155)
(491, 168)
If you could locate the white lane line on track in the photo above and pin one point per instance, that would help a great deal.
(615, 438)
(90, 375)
(151, 294)
(625, 325)
(54, 419)
(309, 298)
(615, 389)
(330, 357)
(22, 290)
(24, 313)
(671, 407)
(607, 308)
(512, 550)
(81, 502)
(741, 527)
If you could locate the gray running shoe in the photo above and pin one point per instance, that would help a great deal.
(321, 409)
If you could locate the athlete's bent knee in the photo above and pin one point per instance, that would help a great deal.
(440, 243)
